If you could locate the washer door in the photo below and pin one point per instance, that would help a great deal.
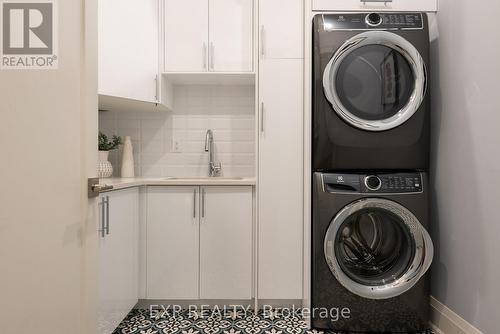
(376, 81)
(377, 249)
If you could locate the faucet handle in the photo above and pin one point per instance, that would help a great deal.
(217, 168)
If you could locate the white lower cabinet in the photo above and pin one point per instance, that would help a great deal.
(226, 240)
(118, 257)
(199, 242)
(172, 242)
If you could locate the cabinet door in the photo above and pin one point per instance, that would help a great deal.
(231, 38)
(128, 49)
(186, 35)
(281, 29)
(119, 256)
(281, 179)
(226, 240)
(172, 242)
(370, 6)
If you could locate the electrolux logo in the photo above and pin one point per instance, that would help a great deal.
(28, 34)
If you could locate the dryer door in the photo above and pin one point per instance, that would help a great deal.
(377, 249)
(376, 81)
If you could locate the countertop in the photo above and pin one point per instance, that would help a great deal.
(122, 183)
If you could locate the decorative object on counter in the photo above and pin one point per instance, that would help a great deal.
(104, 167)
(128, 158)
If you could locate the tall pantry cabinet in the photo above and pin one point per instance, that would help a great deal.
(280, 172)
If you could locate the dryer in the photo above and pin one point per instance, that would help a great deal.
(370, 91)
(370, 252)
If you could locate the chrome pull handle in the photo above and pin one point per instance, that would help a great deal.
(157, 89)
(102, 228)
(212, 55)
(203, 203)
(377, 1)
(205, 56)
(262, 48)
(194, 203)
(107, 214)
(262, 117)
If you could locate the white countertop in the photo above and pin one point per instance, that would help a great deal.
(122, 183)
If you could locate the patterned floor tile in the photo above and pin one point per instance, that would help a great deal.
(225, 322)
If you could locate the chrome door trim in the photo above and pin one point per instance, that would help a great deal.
(424, 250)
(395, 42)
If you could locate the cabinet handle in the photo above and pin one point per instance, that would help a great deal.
(107, 214)
(102, 229)
(212, 55)
(194, 203)
(205, 56)
(262, 117)
(203, 203)
(262, 48)
(157, 89)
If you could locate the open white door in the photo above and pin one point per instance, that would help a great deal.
(48, 136)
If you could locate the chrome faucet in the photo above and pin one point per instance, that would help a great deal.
(214, 168)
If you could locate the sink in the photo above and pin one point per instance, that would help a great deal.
(203, 178)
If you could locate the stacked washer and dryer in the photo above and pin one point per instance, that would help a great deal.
(371, 249)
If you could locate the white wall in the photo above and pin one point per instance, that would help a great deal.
(48, 122)
(466, 160)
(227, 110)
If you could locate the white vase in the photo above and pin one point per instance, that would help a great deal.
(104, 167)
(128, 158)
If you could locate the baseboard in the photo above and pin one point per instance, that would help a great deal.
(445, 321)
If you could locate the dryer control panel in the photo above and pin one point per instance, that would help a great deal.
(384, 183)
(373, 21)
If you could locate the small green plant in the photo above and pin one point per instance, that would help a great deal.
(106, 145)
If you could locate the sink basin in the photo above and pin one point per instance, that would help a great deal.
(204, 178)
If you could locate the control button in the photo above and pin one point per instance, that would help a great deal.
(373, 19)
(373, 182)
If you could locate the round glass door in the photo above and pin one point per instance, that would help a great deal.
(377, 249)
(375, 81)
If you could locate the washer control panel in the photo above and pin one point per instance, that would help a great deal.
(383, 183)
(369, 21)
(400, 183)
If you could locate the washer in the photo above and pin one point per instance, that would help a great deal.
(370, 91)
(370, 252)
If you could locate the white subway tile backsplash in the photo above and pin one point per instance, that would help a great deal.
(227, 110)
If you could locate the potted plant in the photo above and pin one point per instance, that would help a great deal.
(104, 168)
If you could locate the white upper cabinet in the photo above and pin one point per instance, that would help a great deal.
(226, 241)
(208, 35)
(231, 25)
(186, 35)
(128, 49)
(357, 5)
(172, 242)
(281, 28)
(280, 261)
